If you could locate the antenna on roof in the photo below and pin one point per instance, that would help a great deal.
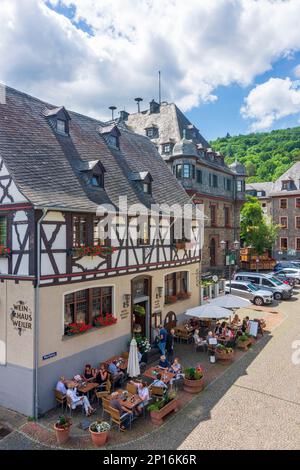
(112, 108)
(138, 100)
(159, 87)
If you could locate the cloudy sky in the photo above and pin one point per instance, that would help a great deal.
(231, 65)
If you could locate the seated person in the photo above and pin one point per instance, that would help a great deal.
(177, 370)
(246, 325)
(197, 338)
(163, 363)
(158, 382)
(236, 320)
(61, 385)
(143, 393)
(88, 374)
(77, 400)
(125, 415)
(218, 329)
(115, 372)
(101, 376)
(211, 340)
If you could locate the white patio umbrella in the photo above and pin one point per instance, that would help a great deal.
(133, 368)
(230, 301)
(208, 311)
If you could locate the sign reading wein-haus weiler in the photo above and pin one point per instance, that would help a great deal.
(21, 316)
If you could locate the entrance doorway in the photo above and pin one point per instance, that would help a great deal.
(141, 308)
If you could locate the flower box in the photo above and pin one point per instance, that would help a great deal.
(98, 250)
(105, 320)
(170, 299)
(73, 329)
(244, 344)
(183, 295)
(4, 251)
(158, 415)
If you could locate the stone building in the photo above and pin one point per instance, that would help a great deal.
(202, 172)
(281, 201)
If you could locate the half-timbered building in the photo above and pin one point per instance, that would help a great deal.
(69, 294)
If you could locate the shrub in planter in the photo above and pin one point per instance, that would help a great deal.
(99, 432)
(62, 429)
(193, 379)
(143, 344)
(224, 354)
(139, 310)
(162, 408)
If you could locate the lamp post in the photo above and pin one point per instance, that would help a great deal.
(235, 247)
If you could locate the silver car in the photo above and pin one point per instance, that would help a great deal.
(249, 291)
(291, 272)
(266, 282)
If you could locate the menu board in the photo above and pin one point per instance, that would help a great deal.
(253, 328)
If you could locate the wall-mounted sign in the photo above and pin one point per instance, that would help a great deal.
(49, 356)
(124, 314)
(21, 316)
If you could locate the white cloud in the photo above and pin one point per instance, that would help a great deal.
(197, 46)
(270, 101)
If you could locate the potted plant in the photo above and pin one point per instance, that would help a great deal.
(76, 328)
(62, 429)
(105, 320)
(193, 379)
(223, 354)
(243, 341)
(139, 310)
(99, 432)
(143, 344)
(163, 407)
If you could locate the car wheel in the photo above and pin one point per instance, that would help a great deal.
(258, 301)
(277, 296)
(297, 281)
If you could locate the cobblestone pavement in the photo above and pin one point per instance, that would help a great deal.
(252, 404)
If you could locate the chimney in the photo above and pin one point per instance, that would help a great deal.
(124, 115)
(138, 100)
(154, 107)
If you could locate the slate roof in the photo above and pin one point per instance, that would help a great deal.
(46, 165)
(292, 173)
(266, 186)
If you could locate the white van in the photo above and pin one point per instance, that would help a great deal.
(267, 282)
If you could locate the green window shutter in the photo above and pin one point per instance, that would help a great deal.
(3, 231)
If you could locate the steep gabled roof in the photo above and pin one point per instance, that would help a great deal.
(45, 165)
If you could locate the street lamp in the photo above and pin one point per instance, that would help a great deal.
(234, 249)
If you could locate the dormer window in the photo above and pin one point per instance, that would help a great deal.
(61, 126)
(152, 132)
(58, 119)
(287, 184)
(147, 188)
(97, 181)
(167, 148)
(94, 173)
(111, 135)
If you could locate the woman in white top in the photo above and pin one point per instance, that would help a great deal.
(77, 400)
(143, 392)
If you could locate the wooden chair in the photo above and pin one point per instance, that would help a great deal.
(69, 405)
(104, 393)
(131, 388)
(157, 392)
(60, 399)
(105, 406)
(117, 419)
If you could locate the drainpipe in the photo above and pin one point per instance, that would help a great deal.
(37, 312)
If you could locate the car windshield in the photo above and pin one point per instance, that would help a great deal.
(252, 287)
(276, 281)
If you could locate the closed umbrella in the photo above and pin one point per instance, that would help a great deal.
(133, 368)
(208, 311)
(230, 301)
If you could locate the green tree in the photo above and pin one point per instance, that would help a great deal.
(256, 230)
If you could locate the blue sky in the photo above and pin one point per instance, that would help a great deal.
(230, 65)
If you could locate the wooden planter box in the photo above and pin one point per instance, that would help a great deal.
(157, 416)
(224, 358)
(244, 344)
(193, 386)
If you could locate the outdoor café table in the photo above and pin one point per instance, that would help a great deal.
(84, 389)
(122, 363)
(166, 376)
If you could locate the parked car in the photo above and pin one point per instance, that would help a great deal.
(249, 291)
(293, 273)
(284, 278)
(286, 264)
(267, 282)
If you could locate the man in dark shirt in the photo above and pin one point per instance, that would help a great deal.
(170, 346)
(125, 415)
(162, 339)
